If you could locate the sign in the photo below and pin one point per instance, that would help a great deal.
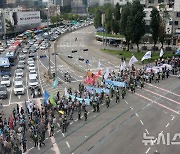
(30, 17)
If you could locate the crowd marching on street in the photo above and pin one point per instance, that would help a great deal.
(36, 123)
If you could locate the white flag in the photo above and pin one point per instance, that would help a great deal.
(107, 73)
(146, 56)
(132, 60)
(121, 67)
(99, 64)
(124, 65)
(161, 53)
(65, 92)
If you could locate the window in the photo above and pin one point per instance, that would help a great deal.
(178, 14)
(176, 23)
(151, 1)
(160, 1)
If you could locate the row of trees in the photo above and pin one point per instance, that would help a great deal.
(129, 21)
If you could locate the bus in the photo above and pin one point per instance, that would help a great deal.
(5, 68)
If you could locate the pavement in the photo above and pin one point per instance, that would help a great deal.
(153, 110)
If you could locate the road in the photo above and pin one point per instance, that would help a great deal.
(118, 129)
(153, 110)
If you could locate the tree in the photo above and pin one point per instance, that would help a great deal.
(125, 23)
(9, 26)
(115, 26)
(155, 24)
(164, 18)
(108, 18)
(97, 19)
(117, 14)
(137, 22)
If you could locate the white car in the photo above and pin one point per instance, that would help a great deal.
(19, 88)
(22, 56)
(33, 82)
(18, 79)
(19, 72)
(6, 81)
(25, 51)
(30, 61)
(43, 47)
(31, 67)
(33, 73)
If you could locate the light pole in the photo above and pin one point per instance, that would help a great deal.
(49, 70)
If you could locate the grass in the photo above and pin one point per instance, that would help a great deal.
(138, 55)
(109, 35)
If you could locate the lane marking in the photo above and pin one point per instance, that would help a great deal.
(131, 108)
(173, 118)
(167, 125)
(137, 115)
(68, 144)
(148, 150)
(146, 131)
(157, 103)
(163, 89)
(162, 96)
(126, 102)
(141, 122)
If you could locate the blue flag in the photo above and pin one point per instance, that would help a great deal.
(55, 83)
(46, 96)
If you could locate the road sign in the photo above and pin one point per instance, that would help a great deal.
(87, 61)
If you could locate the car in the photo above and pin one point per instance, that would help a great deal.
(20, 65)
(33, 72)
(19, 88)
(6, 81)
(19, 72)
(43, 47)
(31, 67)
(22, 61)
(3, 92)
(32, 55)
(25, 51)
(33, 82)
(30, 61)
(2, 49)
(22, 56)
(18, 79)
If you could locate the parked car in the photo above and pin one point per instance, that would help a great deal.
(6, 81)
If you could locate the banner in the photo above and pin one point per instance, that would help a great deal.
(87, 101)
(115, 83)
(52, 101)
(46, 96)
(98, 90)
(55, 83)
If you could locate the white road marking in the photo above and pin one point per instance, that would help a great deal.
(137, 115)
(148, 150)
(27, 88)
(165, 112)
(146, 131)
(167, 125)
(68, 144)
(71, 123)
(141, 122)
(76, 120)
(131, 108)
(126, 102)
(173, 118)
(19, 96)
(63, 135)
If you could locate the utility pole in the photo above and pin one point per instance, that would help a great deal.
(172, 31)
(49, 70)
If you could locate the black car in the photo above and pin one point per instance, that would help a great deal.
(3, 92)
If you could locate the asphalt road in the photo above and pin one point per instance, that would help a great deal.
(118, 129)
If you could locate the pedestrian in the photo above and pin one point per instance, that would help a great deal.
(35, 139)
(41, 140)
(17, 107)
(58, 95)
(107, 101)
(97, 106)
(51, 129)
(24, 145)
(79, 115)
(85, 115)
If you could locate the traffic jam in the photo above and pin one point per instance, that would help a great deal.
(19, 71)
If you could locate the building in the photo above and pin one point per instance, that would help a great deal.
(93, 2)
(79, 6)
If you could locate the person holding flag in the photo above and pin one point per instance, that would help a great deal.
(132, 60)
(161, 53)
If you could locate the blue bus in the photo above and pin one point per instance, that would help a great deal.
(5, 68)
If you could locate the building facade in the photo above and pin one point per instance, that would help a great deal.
(79, 6)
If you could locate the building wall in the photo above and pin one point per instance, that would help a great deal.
(77, 6)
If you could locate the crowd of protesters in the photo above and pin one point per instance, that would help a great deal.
(36, 123)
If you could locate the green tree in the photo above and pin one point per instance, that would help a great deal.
(137, 22)
(125, 23)
(117, 14)
(9, 26)
(155, 24)
(108, 18)
(164, 18)
(115, 26)
(97, 19)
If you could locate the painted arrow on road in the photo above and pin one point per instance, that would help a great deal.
(19, 96)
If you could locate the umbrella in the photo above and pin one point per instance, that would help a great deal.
(178, 51)
(61, 112)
